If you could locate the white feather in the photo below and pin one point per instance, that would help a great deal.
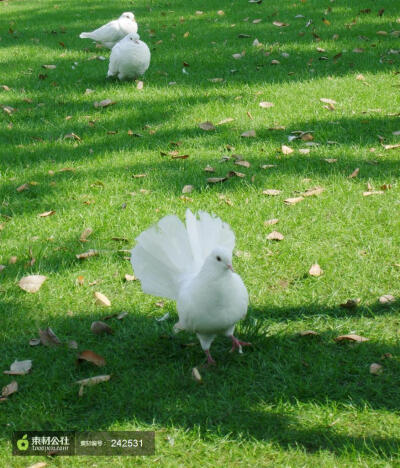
(192, 265)
(129, 58)
(111, 33)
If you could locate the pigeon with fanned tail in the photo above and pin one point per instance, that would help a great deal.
(192, 265)
(111, 33)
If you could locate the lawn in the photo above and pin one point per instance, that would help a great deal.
(290, 400)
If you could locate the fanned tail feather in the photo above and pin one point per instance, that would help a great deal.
(169, 253)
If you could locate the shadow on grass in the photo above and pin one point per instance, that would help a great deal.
(249, 396)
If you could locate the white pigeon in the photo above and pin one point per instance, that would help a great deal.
(192, 265)
(112, 32)
(129, 58)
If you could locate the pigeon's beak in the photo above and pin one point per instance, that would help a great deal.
(231, 268)
(137, 41)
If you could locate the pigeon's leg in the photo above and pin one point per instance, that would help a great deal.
(205, 341)
(210, 360)
(238, 344)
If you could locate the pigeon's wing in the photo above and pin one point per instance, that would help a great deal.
(162, 258)
(109, 32)
(113, 66)
(207, 233)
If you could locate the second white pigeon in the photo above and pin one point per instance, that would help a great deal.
(130, 58)
(192, 265)
(112, 32)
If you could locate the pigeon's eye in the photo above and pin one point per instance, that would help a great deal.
(218, 258)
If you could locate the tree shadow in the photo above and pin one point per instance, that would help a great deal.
(245, 396)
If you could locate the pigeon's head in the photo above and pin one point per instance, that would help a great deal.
(221, 259)
(133, 37)
(128, 15)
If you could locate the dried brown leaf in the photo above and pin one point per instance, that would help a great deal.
(351, 303)
(328, 101)
(130, 277)
(48, 337)
(9, 389)
(308, 333)
(102, 300)
(313, 191)
(286, 149)
(387, 299)
(271, 192)
(266, 104)
(293, 201)
(92, 357)
(207, 126)
(375, 369)
(354, 173)
(46, 214)
(271, 222)
(188, 189)
(89, 253)
(19, 367)
(315, 270)
(248, 134)
(216, 180)
(351, 337)
(275, 235)
(104, 103)
(31, 283)
(85, 234)
(101, 328)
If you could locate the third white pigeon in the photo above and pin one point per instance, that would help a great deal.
(112, 32)
(130, 58)
(192, 265)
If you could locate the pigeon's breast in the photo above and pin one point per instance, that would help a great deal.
(213, 306)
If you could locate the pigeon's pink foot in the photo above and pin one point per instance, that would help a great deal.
(210, 360)
(236, 344)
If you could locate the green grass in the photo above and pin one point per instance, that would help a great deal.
(289, 401)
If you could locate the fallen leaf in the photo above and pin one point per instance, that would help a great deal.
(304, 150)
(19, 367)
(272, 192)
(271, 222)
(373, 192)
(275, 235)
(72, 136)
(375, 369)
(242, 163)
(308, 333)
(275, 62)
(49, 67)
(89, 91)
(139, 85)
(92, 357)
(9, 389)
(387, 299)
(386, 186)
(248, 134)
(5, 87)
(104, 103)
(351, 337)
(351, 303)
(164, 317)
(196, 375)
(286, 149)
(354, 173)
(279, 24)
(266, 104)
(23, 187)
(215, 180)
(130, 277)
(85, 234)
(389, 147)
(34, 342)
(122, 315)
(268, 166)
(31, 283)
(38, 465)
(235, 174)
(91, 381)
(315, 270)
(13, 260)
(207, 126)
(313, 191)
(100, 328)
(102, 300)
(224, 121)
(293, 201)
(46, 213)
(89, 253)
(330, 160)
(328, 101)
(48, 337)
(209, 169)
(188, 189)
